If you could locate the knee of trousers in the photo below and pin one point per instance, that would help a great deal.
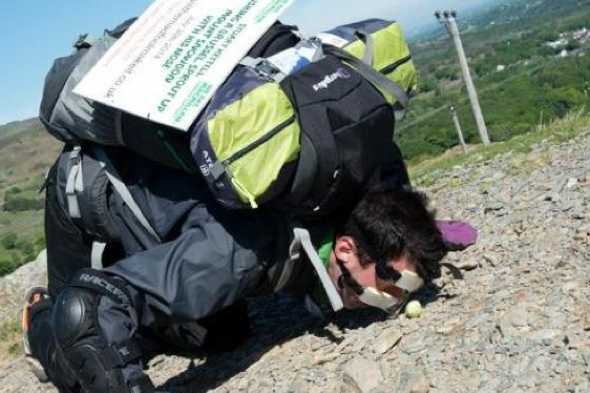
(74, 316)
(99, 366)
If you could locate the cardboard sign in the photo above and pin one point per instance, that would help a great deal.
(173, 58)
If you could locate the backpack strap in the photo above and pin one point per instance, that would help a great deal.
(123, 191)
(302, 240)
(96, 254)
(74, 183)
(264, 68)
(84, 41)
(369, 46)
(369, 73)
(287, 268)
(75, 187)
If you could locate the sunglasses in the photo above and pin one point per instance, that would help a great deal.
(392, 291)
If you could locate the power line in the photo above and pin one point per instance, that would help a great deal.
(492, 87)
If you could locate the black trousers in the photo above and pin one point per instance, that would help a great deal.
(69, 250)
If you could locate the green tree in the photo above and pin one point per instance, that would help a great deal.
(27, 249)
(9, 241)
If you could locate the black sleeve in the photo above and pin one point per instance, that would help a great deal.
(219, 258)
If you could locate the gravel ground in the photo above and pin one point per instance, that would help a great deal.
(510, 314)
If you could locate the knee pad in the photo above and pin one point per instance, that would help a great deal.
(99, 365)
(74, 315)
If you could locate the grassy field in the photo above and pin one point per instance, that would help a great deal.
(26, 152)
(426, 172)
(10, 345)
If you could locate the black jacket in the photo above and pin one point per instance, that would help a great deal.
(206, 258)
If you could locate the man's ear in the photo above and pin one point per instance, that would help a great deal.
(344, 248)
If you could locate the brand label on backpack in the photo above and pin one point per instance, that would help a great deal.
(341, 73)
(208, 164)
(173, 58)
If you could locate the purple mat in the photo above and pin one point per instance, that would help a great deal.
(457, 235)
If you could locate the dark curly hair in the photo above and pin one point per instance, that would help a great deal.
(388, 224)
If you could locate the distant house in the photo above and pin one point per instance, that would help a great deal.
(581, 34)
(558, 43)
(500, 67)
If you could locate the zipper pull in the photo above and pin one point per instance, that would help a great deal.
(245, 192)
(219, 168)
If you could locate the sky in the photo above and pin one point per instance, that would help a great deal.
(33, 33)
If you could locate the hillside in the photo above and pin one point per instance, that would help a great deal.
(26, 152)
(509, 314)
(535, 86)
(530, 64)
(17, 127)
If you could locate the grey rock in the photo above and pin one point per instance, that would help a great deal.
(468, 264)
(517, 317)
(504, 384)
(387, 340)
(519, 321)
(413, 347)
(361, 375)
(547, 336)
(411, 382)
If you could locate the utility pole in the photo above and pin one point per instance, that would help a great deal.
(449, 20)
(458, 127)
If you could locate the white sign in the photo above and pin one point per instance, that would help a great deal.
(169, 63)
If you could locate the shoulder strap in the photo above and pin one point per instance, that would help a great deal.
(96, 254)
(75, 186)
(264, 68)
(302, 238)
(84, 41)
(123, 191)
(369, 46)
(375, 77)
(74, 183)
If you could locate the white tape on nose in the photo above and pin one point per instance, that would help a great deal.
(409, 281)
(376, 298)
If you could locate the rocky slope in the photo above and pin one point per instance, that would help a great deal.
(511, 314)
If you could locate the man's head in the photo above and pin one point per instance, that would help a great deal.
(388, 233)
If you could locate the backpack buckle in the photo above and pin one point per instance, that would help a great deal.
(264, 68)
(82, 42)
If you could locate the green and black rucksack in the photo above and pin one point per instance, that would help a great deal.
(74, 119)
(308, 141)
(313, 140)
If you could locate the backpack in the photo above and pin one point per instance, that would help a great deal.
(88, 176)
(309, 140)
(382, 45)
(74, 119)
